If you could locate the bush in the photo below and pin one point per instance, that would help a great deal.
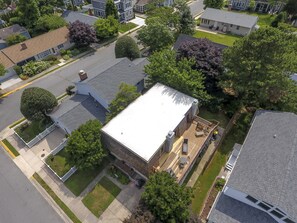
(66, 57)
(23, 77)
(50, 58)
(220, 184)
(69, 90)
(35, 67)
(75, 52)
(126, 47)
(63, 52)
(18, 69)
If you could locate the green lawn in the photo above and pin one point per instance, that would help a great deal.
(59, 162)
(219, 116)
(119, 175)
(58, 201)
(264, 19)
(124, 27)
(224, 39)
(101, 196)
(82, 178)
(29, 131)
(206, 179)
(10, 147)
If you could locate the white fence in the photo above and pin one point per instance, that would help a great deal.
(59, 147)
(39, 137)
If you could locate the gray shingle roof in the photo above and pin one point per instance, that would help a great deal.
(229, 210)
(234, 18)
(107, 82)
(14, 29)
(266, 167)
(71, 16)
(78, 110)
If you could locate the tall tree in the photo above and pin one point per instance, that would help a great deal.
(28, 12)
(84, 146)
(47, 7)
(166, 199)
(186, 21)
(216, 4)
(82, 34)
(111, 9)
(208, 60)
(258, 68)
(36, 103)
(156, 35)
(49, 22)
(2, 70)
(180, 75)
(127, 94)
(167, 15)
(106, 28)
(126, 47)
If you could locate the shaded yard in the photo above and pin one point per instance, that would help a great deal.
(82, 178)
(224, 39)
(219, 116)
(124, 27)
(59, 162)
(119, 175)
(206, 179)
(29, 131)
(101, 196)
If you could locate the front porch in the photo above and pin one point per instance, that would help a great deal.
(178, 162)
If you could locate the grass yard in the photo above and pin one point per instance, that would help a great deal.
(119, 175)
(219, 116)
(82, 178)
(29, 131)
(59, 162)
(10, 147)
(264, 19)
(206, 179)
(101, 196)
(224, 39)
(124, 27)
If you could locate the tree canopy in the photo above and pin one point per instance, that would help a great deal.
(126, 47)
(216, 4)
(2, 70)
(127, 94)
(208, 60)
(258, 69)
(82, 34)
(166, 199)
(186, 23)
(178, 74)
(156, 34)
(47, 7)
(49, 22)
(106, 28)
(291, 7)
(14, 39)
(84, 145)
(111, 9)
(28, 12)
(36, 103)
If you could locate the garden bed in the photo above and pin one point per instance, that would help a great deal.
(98, 200)
(124, 27)
(59, 163)
(29, 130)
(116, 173)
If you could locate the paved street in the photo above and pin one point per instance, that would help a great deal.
(20, 201)
(196, 7)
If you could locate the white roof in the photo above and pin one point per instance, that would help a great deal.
(142, 127)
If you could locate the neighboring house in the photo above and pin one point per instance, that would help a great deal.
(74, 2)
(36, 48)
(142, 5)
(12, 30)
(159, 131)
(95, 93)
(71, 16)
(230, 22)
(260, 6)
(262, 185)
(125, 9)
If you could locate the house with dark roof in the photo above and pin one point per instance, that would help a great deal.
(263, 6)
(262, 185)
(94, 94)
(72, 16)
(228, 22)
(12, 30)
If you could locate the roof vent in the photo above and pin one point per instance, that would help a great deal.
(23, 46)
(82, 75)
(274, 136)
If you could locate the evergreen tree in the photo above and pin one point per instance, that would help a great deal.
(111, 9)
(28, 12)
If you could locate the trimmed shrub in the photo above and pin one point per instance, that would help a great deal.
(220, 184)
(18, 69)
(126, 47)
(35, 67)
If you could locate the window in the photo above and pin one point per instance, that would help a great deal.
(44, 54)
(231, 25)
(280, 211)
(287, 220)
(277, 214)
(237, 27)
(264, 206)
(268, 204)
(60, 46)
(250, 198)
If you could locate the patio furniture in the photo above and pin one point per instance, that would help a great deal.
(183, 161)
(185, 147)
(199, 133)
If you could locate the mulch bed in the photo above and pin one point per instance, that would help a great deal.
(209, 202)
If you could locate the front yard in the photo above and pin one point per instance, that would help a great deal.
(59, 162)
(119, 175)
(29, 131)
(224, 39)
(124, 27)
(101, 196)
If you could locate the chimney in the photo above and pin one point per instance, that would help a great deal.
(194, 108)
(82, 75)
(169, 141)
(23, 46)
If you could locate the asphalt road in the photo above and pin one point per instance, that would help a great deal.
(57, 82)
(20, 201)
(196, 7)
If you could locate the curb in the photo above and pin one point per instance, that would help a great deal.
(7, 149)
